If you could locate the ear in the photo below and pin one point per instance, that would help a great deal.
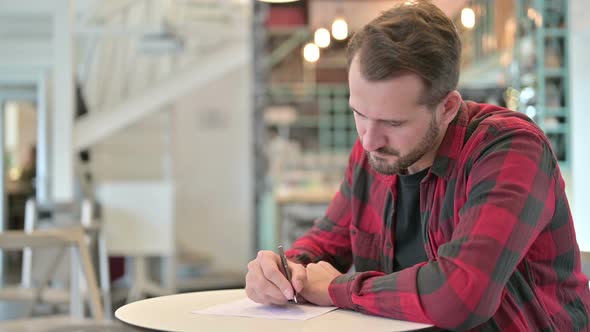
(450, 106)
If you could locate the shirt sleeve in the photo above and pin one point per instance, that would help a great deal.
(510, 198)
(329, 238)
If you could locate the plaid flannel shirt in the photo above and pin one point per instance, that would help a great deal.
(497, 229)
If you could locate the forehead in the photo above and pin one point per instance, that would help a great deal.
(401, 92)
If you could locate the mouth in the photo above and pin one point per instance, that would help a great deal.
(381, 155)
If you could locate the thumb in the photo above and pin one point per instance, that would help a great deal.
(298, 276)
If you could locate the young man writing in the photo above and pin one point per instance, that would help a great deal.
(453, 213)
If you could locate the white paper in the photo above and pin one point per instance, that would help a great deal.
(249, 308)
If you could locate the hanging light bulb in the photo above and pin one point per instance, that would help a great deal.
(321, 37)
(339, 29)
(278, 1)
(311, 52)
(468, 17)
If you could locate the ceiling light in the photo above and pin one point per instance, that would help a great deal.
(311, 52)
(468, 17)
(321, 37)
(339, 29)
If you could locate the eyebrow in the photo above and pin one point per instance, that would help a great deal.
(380, 120)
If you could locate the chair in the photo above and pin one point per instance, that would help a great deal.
(63, 239)
(59, 216)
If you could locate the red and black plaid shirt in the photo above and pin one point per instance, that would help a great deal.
(498, 233)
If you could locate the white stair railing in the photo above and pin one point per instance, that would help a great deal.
(139, 59)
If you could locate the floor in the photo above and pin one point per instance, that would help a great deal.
(14, 311)
(11, 314)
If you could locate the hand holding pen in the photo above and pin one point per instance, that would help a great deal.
(267, 281)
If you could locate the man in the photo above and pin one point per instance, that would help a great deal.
(453, 213)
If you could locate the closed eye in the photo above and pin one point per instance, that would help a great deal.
(357, 113)
(389, 123)
(393, 123)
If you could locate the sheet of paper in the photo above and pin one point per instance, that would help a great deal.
(249, 308)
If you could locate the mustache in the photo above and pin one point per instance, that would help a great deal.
(388, 151)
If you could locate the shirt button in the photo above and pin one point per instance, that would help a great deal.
(389, 245)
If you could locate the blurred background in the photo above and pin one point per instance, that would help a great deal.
(186, 135)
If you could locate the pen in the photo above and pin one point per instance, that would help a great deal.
(287, 271)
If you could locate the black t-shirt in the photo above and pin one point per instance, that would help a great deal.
(409, 243)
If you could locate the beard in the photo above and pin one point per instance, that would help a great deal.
(400, 166)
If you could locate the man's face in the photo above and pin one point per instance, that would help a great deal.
(396, 132)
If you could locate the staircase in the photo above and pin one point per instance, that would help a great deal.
(138, 58)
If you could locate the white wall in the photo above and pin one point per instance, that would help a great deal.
(213, 170)
(27, 131)
(580, 95)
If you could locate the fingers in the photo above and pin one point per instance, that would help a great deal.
(270, 266)
(328, 267)
(319, 277)
(313, 268)
(261, 290)
(265, 283)
(298, 276)
(264, 299)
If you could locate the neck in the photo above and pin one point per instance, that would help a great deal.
(428, 158)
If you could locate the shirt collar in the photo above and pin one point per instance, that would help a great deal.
(452, 144)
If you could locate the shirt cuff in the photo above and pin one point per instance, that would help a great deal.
(340, 292)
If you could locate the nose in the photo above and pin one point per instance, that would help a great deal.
(372, 138)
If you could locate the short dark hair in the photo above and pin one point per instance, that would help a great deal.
(414, 37)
